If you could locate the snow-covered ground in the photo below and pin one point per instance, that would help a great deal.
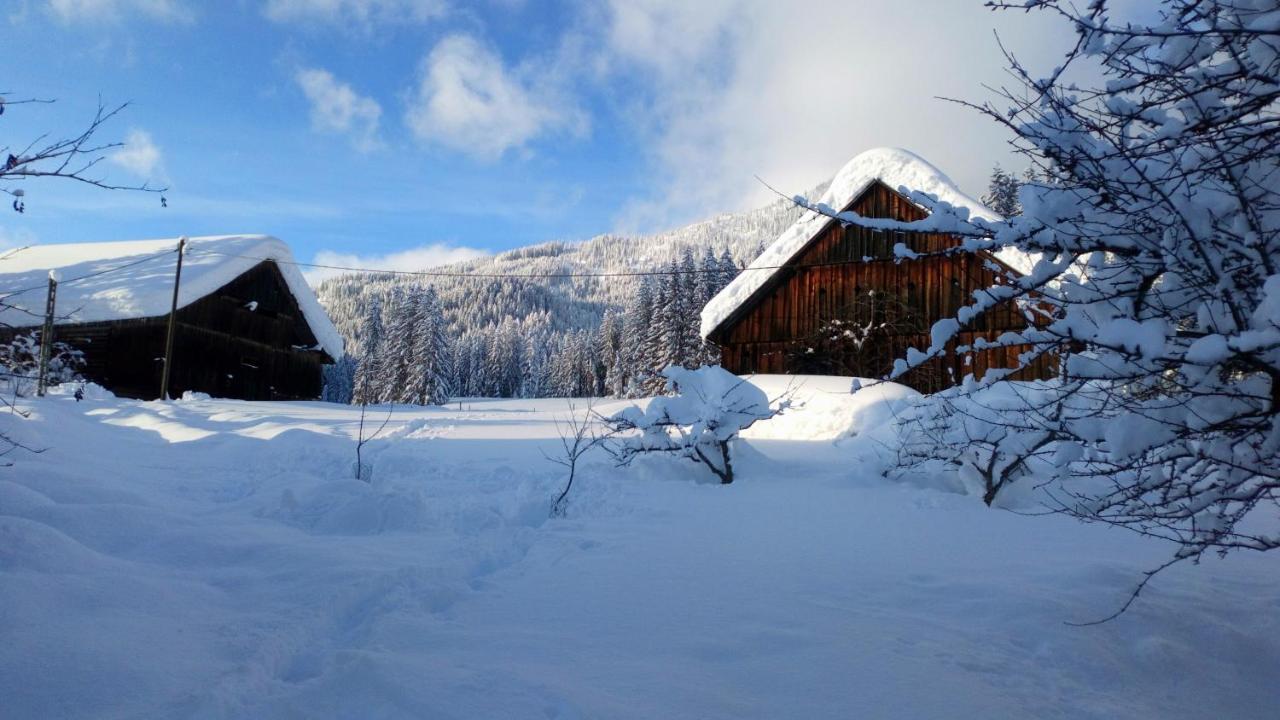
(213, 559)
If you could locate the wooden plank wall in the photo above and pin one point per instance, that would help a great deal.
(799, 300)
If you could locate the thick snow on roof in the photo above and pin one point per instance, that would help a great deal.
(894, 167)
(136, 279)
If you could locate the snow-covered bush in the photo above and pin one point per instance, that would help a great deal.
(701, 421)
(20, 364)
(987, 438)
(828, 408)
(1155, 222)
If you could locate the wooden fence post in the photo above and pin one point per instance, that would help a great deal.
(46, 335)
(173, 317)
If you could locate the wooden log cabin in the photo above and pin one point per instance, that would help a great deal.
(248, 325)
(832, 299)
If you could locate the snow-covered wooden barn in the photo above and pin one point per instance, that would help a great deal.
(834, 300)
(248, 324)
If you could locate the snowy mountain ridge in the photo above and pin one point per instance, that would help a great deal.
(570, 304)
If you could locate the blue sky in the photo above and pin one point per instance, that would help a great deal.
(409, 132)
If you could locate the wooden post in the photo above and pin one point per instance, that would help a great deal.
(173, 322)
(46, 335)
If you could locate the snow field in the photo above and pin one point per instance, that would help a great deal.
(214, 559)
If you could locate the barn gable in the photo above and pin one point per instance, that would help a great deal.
(821, 284)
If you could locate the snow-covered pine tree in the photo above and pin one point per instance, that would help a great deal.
(476, 380)
(433, 352)
(639, 323)
(560, 368)
(610, 348)
(589, 375)
(662, 346)
(368, 368)
(708, 353)
(728, 270)
(461, 365)
(535, 354)
(692, 291)
(503, 360)
(1002, 193)
(339, 380)
(399, 383)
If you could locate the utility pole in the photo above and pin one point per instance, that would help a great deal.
(173, 323)
(46, 334)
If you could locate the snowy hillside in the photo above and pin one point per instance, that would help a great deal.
(571, 303)
(214, 559)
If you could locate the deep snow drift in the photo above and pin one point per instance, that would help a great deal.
(214, 559)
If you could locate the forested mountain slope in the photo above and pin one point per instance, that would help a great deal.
(494, 324)
(573, 303)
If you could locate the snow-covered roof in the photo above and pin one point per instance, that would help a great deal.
(136, 279)
(896, 168)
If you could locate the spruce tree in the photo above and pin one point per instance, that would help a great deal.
(639, 324)
(1002, 193)
(708, 286)
(368, 368)
(432, 355)
(692, 298)
(397, 381)
(339, 380)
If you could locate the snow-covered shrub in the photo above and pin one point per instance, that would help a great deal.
(1155, 227)
(824, 407)
(20, 364)
(701, 421)
(988, 438)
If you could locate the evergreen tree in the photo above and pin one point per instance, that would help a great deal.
(461, 366)
(709, 285)
(397, 382)
(1002, 193)
(668, 316)
(639, 323)
(368, 370)
(611, 351)
(503, 360)
(432, 352)
(728, 270)
(537, 349)
(339, 380)
(689, 304)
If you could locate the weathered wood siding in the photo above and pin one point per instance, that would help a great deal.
(843, 264)
(221, 347)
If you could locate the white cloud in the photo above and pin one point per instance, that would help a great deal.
(140, 156)
(116, 10)
(423, 257)
(364, 14)
(337, 108)
(468, 100)
(789, 91)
